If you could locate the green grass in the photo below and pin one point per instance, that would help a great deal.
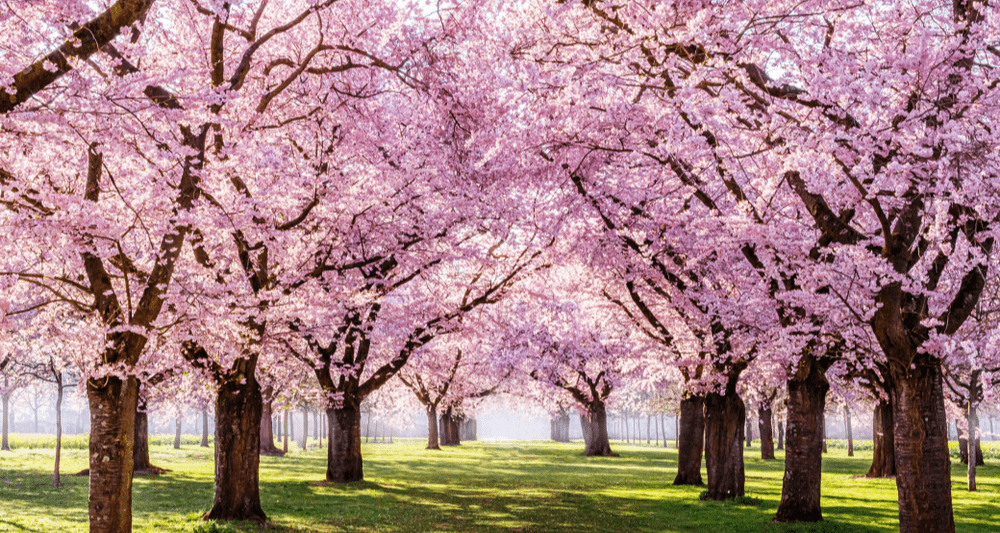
(531, 486)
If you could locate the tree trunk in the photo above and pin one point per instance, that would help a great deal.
(884, 442)
(468, 429)
(343, 459)
(267, 446)
(177, 432)
(204, 428)
(725, 416)
(238, 407)
(765, 415)
(973, 420)
(113, 404)
(800, 490)
(586, 428)
(140, 451)
(599, 444)
(449, 429)
(781, 435)
(56, 482)
(5, 446)
(850, 432)
(923, 470)
(749, 432)
(559, 430)
(284, 432)
(305, 428)
(691, 441)
(432, 428)
(824, 433)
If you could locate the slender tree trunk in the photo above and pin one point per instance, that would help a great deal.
(113, 403)
(973, 421)
(56, 482)
(800, 491)
(267, 446)
(749, 431)
(305, 428)
(586, 428)
(725, 416)
(649, 422)
(204, 428)
(343, 460)
(238, 408)
(923, 470)
(850, 432)
(177, 432)
(781, 435)
(140, 450)
(691, 441)
(432, 428)
(5, 446)
(599, 444)
(765, 415)
(883, 440)
(656, 428)
(284, 432)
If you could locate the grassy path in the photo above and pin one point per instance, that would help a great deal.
(480, 487)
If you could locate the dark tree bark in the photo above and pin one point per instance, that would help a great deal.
(140, 450)
(725, 416)
(923, 470)
(781, 435)
(432, 428)
(238, 408)
(267, 446)
(284, 432)
(113, 404)
(850, 432)
(691, 441)
(204, 428)
(559, 427)
(800, 491)
(344, 462)
(883, 439)
(599, 444)
(765, 414)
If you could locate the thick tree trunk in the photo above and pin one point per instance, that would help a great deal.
(56, 482)
(599, 444)
(238, 408)
(343, 459)
(765, 415)
(923, 470)
(267, 446)
(448, 433)
(781, 435)
(800, 491)
(432, 429)
(691, 441)
(884, 442)
(113, 404)
(177, 432)
(559, 428)
(850, 432)
(725, 416)
(204, 428)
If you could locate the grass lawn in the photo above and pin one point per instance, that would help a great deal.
(527, 486)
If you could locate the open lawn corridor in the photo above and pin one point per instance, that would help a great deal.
(524, 486)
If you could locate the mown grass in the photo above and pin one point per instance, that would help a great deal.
(528, 486)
